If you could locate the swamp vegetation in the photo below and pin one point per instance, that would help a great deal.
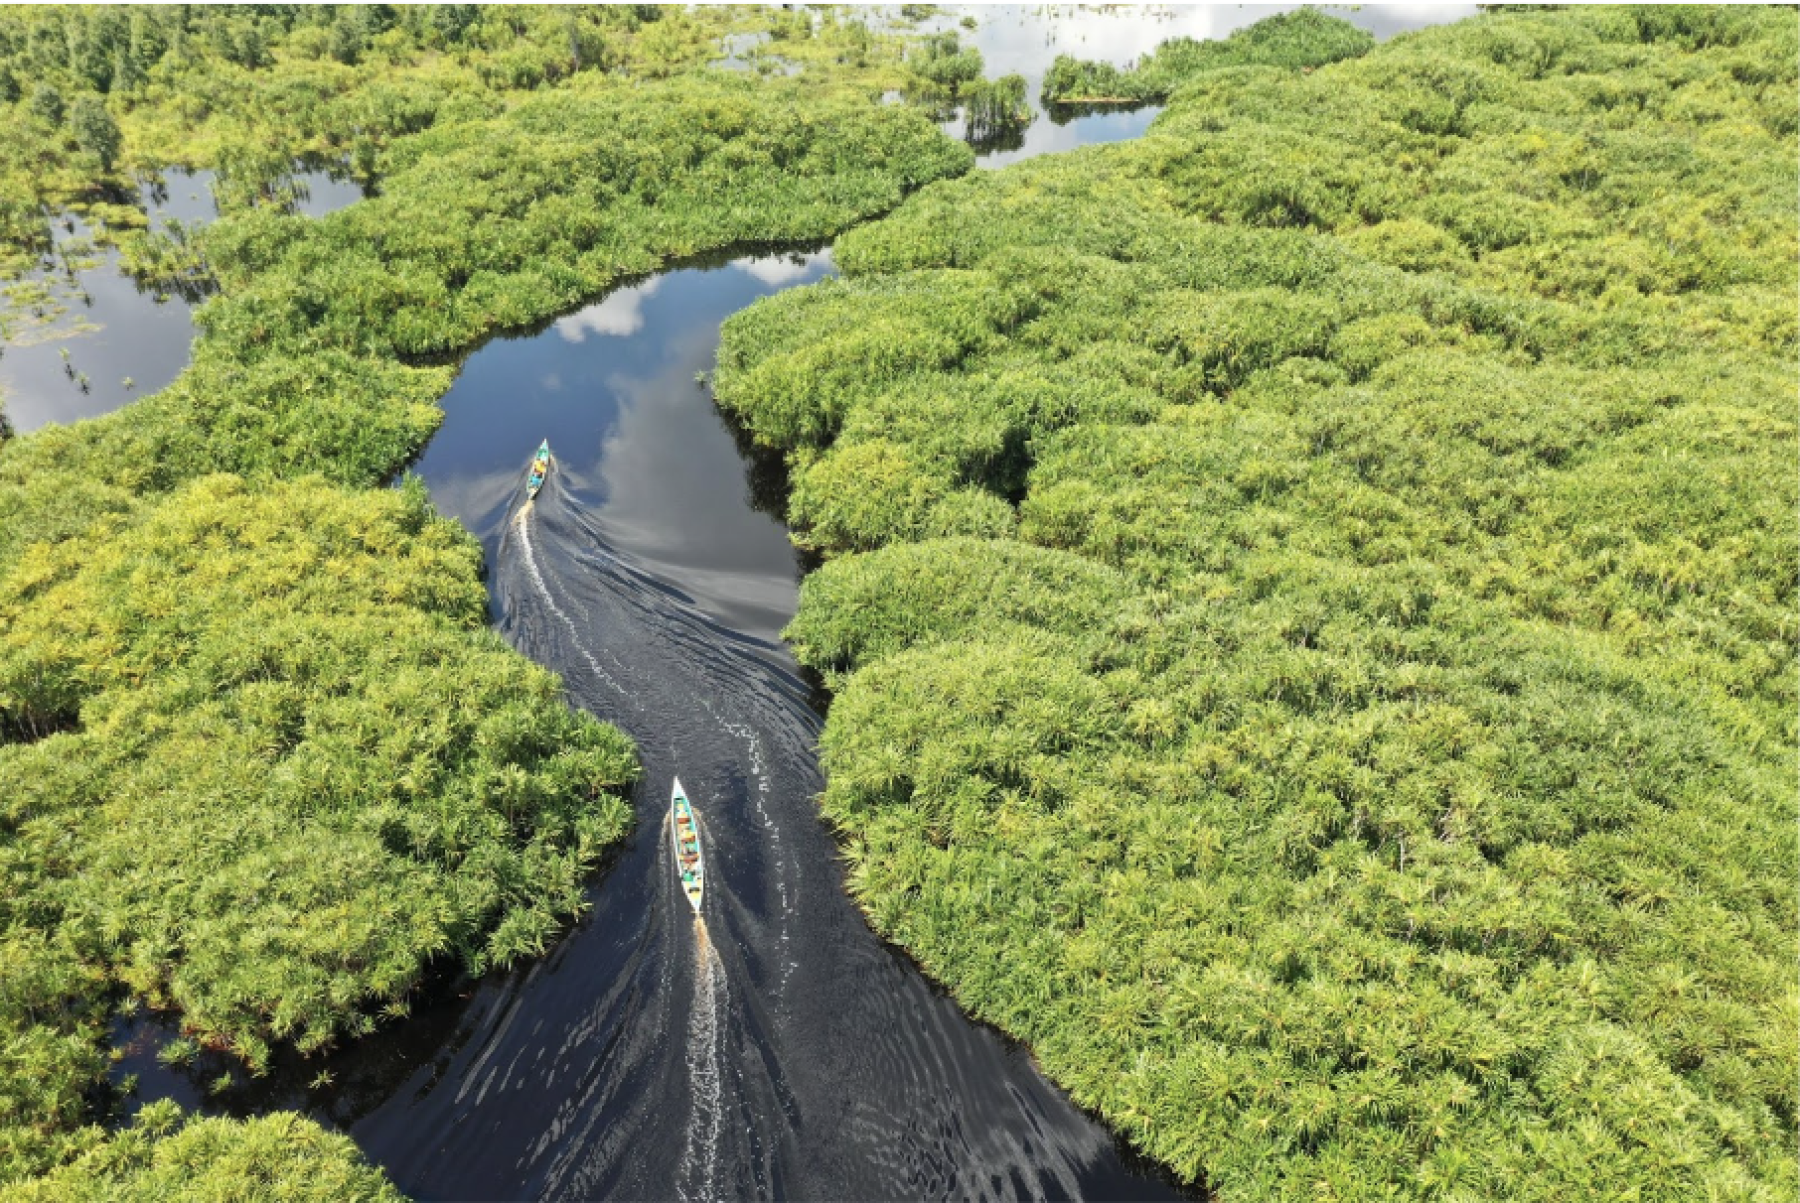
(260, 761)
(1303, 39)
(1310, 602)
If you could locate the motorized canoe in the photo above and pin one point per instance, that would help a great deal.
(685, 832)
(540, 468)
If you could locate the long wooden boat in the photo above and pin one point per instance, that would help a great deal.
(686, 834)
(540, 468)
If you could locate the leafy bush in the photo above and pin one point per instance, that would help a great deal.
(1365, 767)
(942, 60)
(161, 1156)
(995, 106)
(1305, 38)
(298, 767)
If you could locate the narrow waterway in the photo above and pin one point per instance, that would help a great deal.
(772, 1047)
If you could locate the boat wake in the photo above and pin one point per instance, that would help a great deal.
(775, 1049)
(523, 525)
(698, 1177)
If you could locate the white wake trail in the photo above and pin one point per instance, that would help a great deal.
(537, 578)
(700, 1149)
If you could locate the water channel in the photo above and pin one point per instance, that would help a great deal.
(774, 1047)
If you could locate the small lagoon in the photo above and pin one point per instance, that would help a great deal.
(116, 339)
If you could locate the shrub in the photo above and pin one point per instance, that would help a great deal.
(1365, 769)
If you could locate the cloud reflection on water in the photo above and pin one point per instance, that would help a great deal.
(776, 270)
(620, 314)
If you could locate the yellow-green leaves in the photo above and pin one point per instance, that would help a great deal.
(162, 1156)
(289, 768)
(1365, 770)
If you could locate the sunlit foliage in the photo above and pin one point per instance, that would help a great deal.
(1310, 597)
(259, 763)
(279, 766)
(993, 106)
(1304, 39)
(161, 1156)
(942, 60)
(110, 92)
(299, 767)
(197, 86)
(481, 226)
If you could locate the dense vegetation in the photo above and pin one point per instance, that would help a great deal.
(99, 96)
(258, 762)
(1310, 598)
(279, 1156)
(250, 89)
(272, 765)
(1302, 39)
(307, 363)
(946, 79)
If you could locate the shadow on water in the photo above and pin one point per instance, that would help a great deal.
(1065, 114)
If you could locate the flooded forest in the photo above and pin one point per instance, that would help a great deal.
(1123, 602)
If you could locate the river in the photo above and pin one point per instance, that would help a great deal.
(773, 1047)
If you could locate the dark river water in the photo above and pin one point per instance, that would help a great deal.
(776, 1047)
(773, 1047)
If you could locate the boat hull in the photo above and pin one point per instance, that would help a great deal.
(684, 835)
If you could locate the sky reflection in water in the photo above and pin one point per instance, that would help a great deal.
(635, 436)
(1017, 38)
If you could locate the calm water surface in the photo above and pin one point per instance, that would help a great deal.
(773, 1047)
(114, 329)
(1025, 39)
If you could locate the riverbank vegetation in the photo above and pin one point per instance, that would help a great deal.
(260, 763)
(249, 91)
(1300, 40)
(102, 97)
(1310, 601)
(164, 1155)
